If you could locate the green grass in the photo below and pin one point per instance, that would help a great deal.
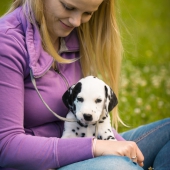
(4, 5)
(145, 92)
(145, 81)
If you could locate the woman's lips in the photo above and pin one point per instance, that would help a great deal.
(65, 26)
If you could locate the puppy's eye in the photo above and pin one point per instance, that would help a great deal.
(80, 99)
(98, 100)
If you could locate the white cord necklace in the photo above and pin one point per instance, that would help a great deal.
(55, 114)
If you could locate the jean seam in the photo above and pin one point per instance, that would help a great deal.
(150, 132)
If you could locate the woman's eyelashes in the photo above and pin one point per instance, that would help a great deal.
(88, 13)
(68, 8)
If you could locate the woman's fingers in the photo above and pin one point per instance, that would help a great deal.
(129, 150)
(121, 148)
(140, 157)
(135, 154)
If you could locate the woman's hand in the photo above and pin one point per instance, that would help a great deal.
(121, 148)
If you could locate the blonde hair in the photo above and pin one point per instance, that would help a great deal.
(100, 43)
(101, 48)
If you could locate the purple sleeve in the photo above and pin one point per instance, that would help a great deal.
(68, 147)
(18, 150)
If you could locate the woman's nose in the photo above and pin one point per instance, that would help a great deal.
(75, 20)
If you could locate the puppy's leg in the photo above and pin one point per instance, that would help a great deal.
(69, 130)
(69, 127)
(105, 130)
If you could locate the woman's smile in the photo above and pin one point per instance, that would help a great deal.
(65, 26)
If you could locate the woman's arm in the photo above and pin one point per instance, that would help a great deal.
(18, 150)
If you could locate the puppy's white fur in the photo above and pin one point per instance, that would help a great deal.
(90, 101)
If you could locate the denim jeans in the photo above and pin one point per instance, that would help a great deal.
(153, 140)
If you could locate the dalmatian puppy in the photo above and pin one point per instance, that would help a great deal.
(89, 101)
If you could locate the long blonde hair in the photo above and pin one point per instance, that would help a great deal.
(100, 43)
(101, 48)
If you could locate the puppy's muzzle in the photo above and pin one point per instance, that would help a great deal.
(87, 117)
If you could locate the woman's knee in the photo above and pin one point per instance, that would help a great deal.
(105, 163)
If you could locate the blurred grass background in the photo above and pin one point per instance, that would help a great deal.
(4, 6)
(145, 92)
(145, 81)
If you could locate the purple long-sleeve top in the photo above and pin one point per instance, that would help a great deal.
(29, 132)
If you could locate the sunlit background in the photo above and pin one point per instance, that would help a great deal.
(145, 82)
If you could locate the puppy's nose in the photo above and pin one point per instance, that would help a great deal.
(88, 117)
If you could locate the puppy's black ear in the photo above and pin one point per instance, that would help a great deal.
(67, 97)
(111, 99)
(76, 90)
(70, 95)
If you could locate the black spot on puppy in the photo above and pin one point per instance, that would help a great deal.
(109, 130)
(83, 134)
(100, 137)
(110, 137)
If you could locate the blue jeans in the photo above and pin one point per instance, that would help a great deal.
(153, 140)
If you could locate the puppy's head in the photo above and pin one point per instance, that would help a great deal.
(88, 98)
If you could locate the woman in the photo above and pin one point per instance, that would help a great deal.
(57, 42)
